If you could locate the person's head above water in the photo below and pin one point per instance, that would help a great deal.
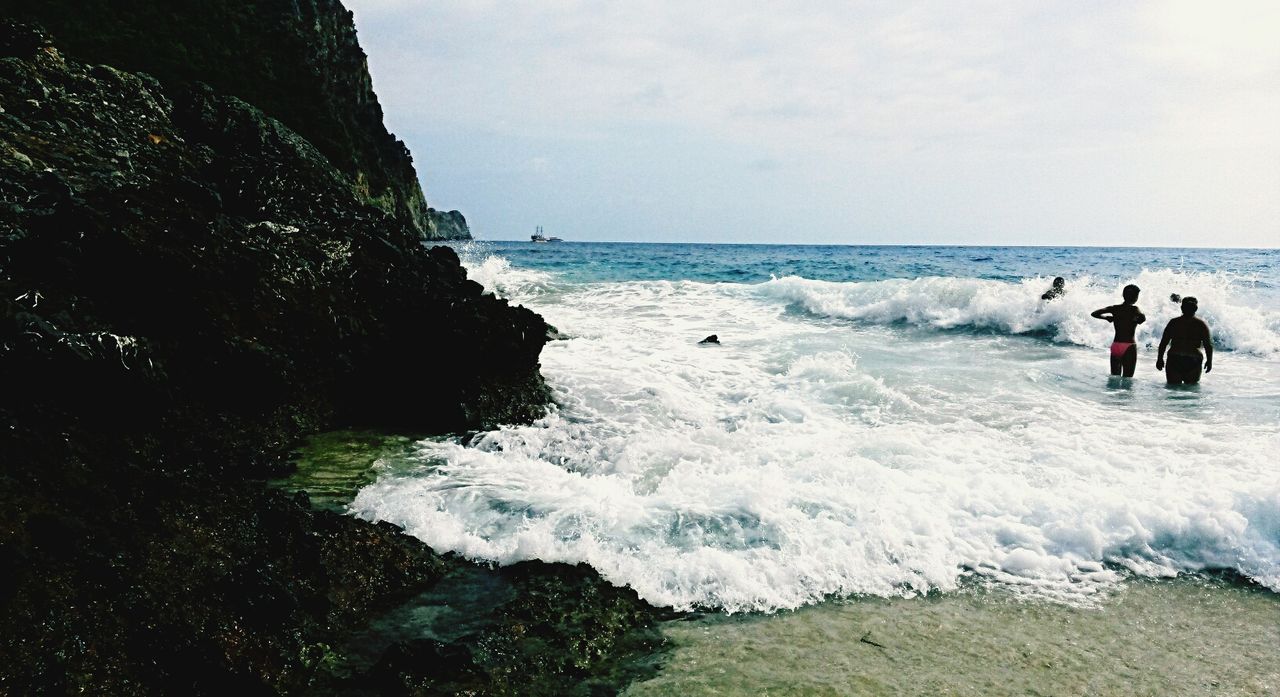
(1189, 306)
(1130, 293)
(1058, 289)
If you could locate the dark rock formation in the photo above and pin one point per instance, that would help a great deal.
(536, 643)
(186, 286)
(217, 246)
(448, 226)
(297, 60)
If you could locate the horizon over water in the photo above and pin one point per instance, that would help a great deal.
(930, 245)
(879, 420)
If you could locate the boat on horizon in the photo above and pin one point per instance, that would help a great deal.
(539, 237)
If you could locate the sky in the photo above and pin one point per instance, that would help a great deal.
(1020, 123)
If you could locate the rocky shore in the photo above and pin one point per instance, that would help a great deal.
(189, 286)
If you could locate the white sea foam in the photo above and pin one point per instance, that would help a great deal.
(949, 303)
(844, 449)
(498, 276)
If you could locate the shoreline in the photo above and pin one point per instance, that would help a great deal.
(192, 283)
(1218, 628)
(467, 628)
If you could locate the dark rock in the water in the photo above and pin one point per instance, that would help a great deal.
(713, 339)
(563, 631)
(299, 62)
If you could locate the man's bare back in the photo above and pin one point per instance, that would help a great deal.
(1184, 337)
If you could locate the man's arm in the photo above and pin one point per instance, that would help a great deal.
(1208, 348)
(1164, 343)
(1138, 317)
(1098, 313)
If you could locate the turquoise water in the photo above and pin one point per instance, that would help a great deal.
(754, 263)
(877, 421)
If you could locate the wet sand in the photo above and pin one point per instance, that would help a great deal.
(1188, 636)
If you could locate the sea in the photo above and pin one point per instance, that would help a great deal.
(876, 424)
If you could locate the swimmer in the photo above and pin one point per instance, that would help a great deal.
(1059, 288)
(1126, 318)
(1187, 334)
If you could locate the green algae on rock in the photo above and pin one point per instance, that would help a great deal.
(331, 467)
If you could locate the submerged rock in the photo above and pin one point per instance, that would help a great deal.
(562, 630)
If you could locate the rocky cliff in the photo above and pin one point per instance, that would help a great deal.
(186, 286)
(297, 60)
(449, 224)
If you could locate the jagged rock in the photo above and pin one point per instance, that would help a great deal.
(236, 250)
(186, 286)
(448, 225)
(299, 62)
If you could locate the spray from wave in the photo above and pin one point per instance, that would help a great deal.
(498, 276)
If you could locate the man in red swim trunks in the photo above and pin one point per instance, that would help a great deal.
(1126, 318)
(1187, 333)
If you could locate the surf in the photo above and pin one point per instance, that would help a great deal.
(1016, 308)
(889, 437)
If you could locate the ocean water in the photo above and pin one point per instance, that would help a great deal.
(877, 421)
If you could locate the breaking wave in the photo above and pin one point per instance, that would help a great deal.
(1016, 308)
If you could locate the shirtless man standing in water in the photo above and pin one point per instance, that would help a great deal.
(1126, 318)
(1187, 333)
